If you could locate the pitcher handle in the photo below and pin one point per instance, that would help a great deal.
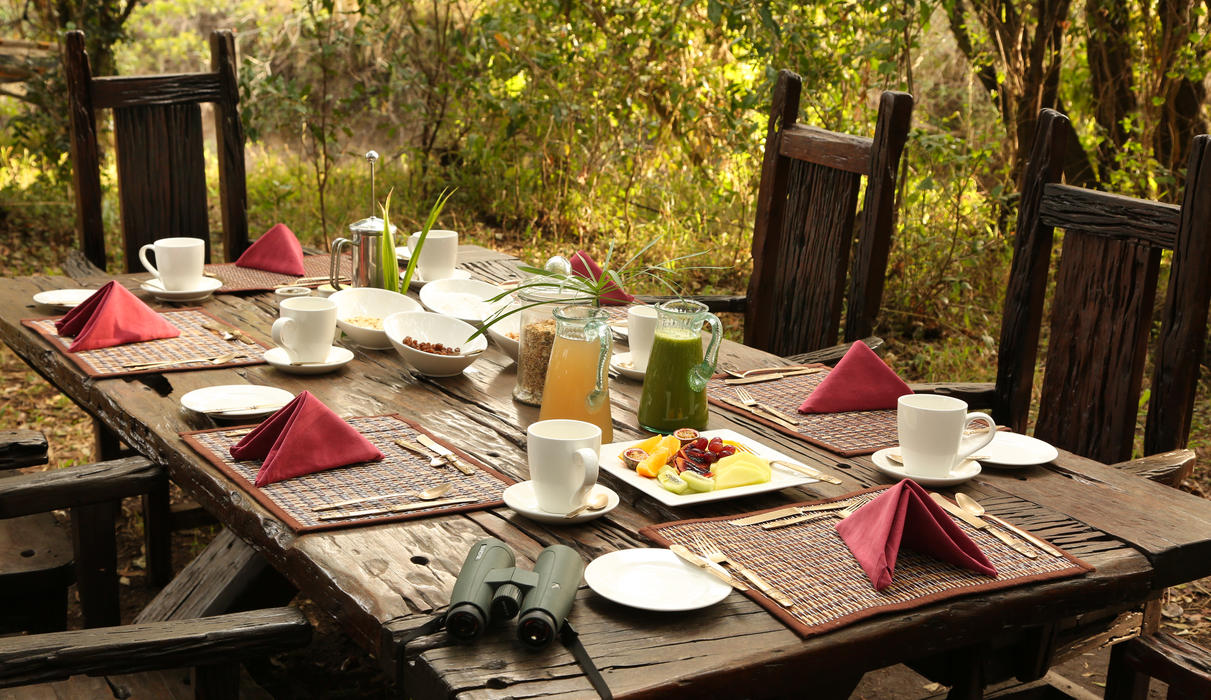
(702, 372)
(334, 262)
(604, 336)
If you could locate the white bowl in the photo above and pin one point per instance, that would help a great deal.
(375, 303)
(499, 333)
(466, 300)
(434, 328)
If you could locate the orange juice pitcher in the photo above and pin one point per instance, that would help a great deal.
(578, 382)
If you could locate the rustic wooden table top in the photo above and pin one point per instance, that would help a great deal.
(382, 581)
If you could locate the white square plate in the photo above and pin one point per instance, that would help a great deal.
(611, 461)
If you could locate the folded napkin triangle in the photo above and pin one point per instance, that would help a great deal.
(277, 250)
(584, 266)
(112, 316)
(859, 382)
(304, 436)
(904, 515)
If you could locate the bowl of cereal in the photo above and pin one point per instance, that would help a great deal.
(506, 332)
(466, 300)
(434, 344)
(360, 312)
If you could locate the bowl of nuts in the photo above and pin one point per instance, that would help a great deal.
(434, 344)
(360, 312)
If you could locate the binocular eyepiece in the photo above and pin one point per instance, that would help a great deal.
(490, 588)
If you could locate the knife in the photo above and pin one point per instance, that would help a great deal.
(446, 452)
(982, 525)
(395, 509)
(758, 378)
(806, 471)
(701, 563)
(790, 511)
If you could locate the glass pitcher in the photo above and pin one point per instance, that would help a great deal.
(674, 386)
(578, 383)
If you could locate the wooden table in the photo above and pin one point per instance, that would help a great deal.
(383, 581)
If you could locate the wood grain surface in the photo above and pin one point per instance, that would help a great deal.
(383, 581)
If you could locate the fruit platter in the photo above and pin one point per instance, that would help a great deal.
(714, 465)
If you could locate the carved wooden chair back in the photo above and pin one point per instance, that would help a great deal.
(1102, 307)
(805, 225)
(157, 123)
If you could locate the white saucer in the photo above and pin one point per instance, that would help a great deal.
(402, 252)
(225, 402)
(1014, 450)
(63, 298)
(966, 470)
(209, 284)
(418, 280)
(653, 579)
(520, 497)
(622, 363)
(337, 357)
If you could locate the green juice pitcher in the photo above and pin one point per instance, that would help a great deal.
(674, 385)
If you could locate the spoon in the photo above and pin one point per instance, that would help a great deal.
(976, 508)
(595, 502)
(429, 494)
(899, 458)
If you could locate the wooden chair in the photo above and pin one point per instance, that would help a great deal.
(1102, 314)
(38, 567)
(157, 123)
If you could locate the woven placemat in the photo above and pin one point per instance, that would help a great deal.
(848, 434)
(293, 500)
(194, 341)
(810, 563)
(246, 279)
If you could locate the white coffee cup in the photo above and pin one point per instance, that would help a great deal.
(641, 331)
(931, 431)
(437, 256)
(563, 457)
(306, 328)
(178, 262)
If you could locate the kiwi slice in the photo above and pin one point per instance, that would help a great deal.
(668, 478)
(698, 482)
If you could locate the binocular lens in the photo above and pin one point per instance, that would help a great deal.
(464, 622)
(536, 628)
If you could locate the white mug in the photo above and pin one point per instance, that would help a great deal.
(178, 262)
(437, 256)
(641, 331)
(306, 328)
(931, 431)
(563, 457)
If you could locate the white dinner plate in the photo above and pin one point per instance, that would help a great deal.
(63, 298)
(966, 470)
(236, 401)
(622, 363)
(653, 579)
(611, 461)
(209, 284)
(520, 497)
(1010, 450)
(418, 280)
(337, 357)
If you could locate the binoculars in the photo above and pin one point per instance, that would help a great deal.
(490, 588)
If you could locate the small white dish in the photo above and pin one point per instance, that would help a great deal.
(418, 280)
(236, 401)
(1013, 450)
(967, 469)
(209, 284)
(466, 300)
(653, 579)
(622, 362)
(369, 302)
(429, 327)
(337, 357)
(63, 298)
(500, 332)
(780, 478)
(520, 497)
(403, 253)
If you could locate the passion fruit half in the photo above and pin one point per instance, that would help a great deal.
(685, 435)
(633, 456)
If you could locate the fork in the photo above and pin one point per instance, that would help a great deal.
(748, 400)
(711, 551)
(842, 514)
(215, 360)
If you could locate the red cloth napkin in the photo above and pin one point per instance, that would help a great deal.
(584, 266)
(112, 316)
(859, 382)
(304, 436)
(905, 515)
(277, 250)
